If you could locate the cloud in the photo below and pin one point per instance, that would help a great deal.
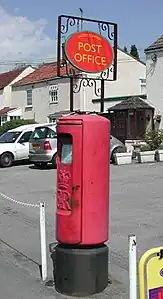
(23, 40)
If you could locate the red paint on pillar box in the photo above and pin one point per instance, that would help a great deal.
(88, 52)
(156, 293)
(83, 164)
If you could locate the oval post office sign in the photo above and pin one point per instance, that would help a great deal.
(88, 52)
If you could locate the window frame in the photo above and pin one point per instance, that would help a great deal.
(29, 98)
(54, 94)
(143, 85)
(19, 141)
(45, 133)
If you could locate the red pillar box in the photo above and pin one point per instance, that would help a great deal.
(80, 259)
(83, 179)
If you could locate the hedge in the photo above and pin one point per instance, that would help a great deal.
(15, 123)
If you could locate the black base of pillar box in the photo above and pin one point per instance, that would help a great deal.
(80, 271)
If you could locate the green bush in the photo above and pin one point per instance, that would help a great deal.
(153, 139)
(15, 123)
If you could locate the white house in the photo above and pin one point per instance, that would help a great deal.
(154, 78)
(6, 81)
(41, 94)
(8, 114)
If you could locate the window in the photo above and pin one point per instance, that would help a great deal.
(3, 119)
(25, 137)
(14, 117)
(143, 86)
(9, 137)
(43, 132)
(29, 97)
(52, 120)
(143, 81)
(53, 92)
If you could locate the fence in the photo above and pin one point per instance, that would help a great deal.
(42, 228)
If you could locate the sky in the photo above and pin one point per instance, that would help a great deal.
(28, 28)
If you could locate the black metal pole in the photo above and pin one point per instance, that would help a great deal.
(102, 95)
(115, 51)
(59, 47)
(71, 95)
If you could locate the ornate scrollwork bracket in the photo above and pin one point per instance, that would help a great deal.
(108, 28)
(87, 82)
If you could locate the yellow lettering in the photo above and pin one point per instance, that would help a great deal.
(103, 60)
(87, 47)
(98, 48)
(78, 57)
(85, 57)
(93, 48)
(89, 58)
(80, 45)
(98, 60)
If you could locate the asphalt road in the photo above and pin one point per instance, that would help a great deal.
(135, 207)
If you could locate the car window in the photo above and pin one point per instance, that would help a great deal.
(25, 137)
(43, 132)
(9, 137)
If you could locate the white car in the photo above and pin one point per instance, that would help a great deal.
(14, 144)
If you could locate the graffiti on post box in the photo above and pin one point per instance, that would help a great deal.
(64, 177)
(63, 192)
(63, 199)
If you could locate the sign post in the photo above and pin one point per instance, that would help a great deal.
(87, 58)
(151, 274)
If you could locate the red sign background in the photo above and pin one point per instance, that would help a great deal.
(88, 52)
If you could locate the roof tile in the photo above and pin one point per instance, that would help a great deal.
(44, 72)
(158, 44)
(131, 103)
(5, 110)
(8, 77)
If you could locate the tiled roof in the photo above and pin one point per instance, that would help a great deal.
(44, 72)
(158, 44)
(131, 103)
(8, 77)
(5, 110)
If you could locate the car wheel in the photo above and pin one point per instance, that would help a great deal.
(6, 160)
(116, 150)
(54, 162)
(40, 165)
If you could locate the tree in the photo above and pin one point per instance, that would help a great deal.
(125, 49)
(19, 66)
(134, 51)
(15, 123)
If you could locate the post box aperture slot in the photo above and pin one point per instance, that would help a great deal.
(65, 148)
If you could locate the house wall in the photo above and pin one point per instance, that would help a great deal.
(6, 93)
(154, 82)
(41, 106)
(129, 73)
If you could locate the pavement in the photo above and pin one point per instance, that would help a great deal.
(135, 208)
